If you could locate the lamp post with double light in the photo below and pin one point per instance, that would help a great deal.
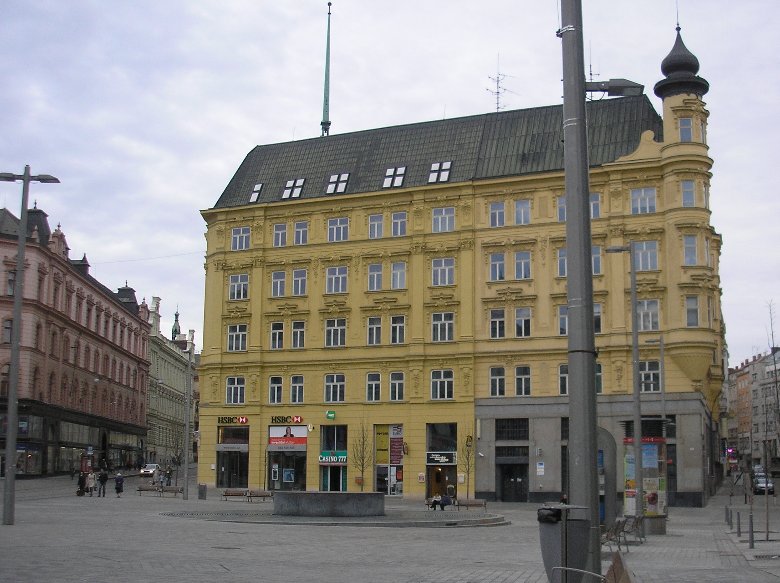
(12, 421)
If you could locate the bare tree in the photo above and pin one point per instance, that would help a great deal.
(466, 457)
(362, 457)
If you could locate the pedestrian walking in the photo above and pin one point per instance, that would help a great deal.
(168, 476)
(102, 479)
(156, 477)
(90, 482)
(82, 484)
(119, 484)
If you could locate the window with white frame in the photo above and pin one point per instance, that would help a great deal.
(710, 314)
(522, 265)
(523, 381)
(497, 268)
(523, 212)
(296, 389)
(236, 337)
(561, 261)
(394, 177)
(443, 219)
(599, 379)
(563, 379)
(335, 387)
(336, 280)
(278, 280)
(397, 329)
(338, 229)
(299, 277)
(646, 255)
(234, 391)
(707, 196)
(440, 172)
(374, 331)
(650, 376)
(560, 203)
(398, 275)
(692, 311)
(374, 276)
(497, 323)
(597, 318)
(301, 233)
(442, 384)
(298, 334)
(442, 326)
(642, 201)
(595, 258)
(337, 183)
(647, 312)
(375, 226)
(239, 239)
(399, 223)
(335, 332)
(443, 271)
(256, 192)
(595, 205)
(280, 235)
(688, 193)
(563, 320)
(275, 390)
(293, 188)
(707, 255)
(690, 255)
(497, 381)
(373, 386)
(497, 214)
(396, 386)
(239, 286)
(522, 322)
(686, 129)
(277, 335)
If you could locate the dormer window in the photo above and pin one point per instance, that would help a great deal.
(394, 177)
(440, 172)
(293, 188)
(255, 193)
(337, 183)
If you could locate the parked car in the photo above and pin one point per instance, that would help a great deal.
(148, 469)
(762, 484)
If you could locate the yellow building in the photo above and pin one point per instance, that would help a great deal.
(386, 309)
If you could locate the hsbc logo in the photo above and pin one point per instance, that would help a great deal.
(284, 419)
(228, 420)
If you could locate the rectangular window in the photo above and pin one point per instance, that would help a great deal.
(236, 338)
(646, 255)
(442, 327)
(523, 265)
(440, 172)
(275, 390)
(234, 393)
(642, 201)
(692, 311)
(278, 279)
(335, 332)
(373, 386)
(595, 205)
(280, 235)
(497, 323)
(511, 429)
(497, 214)
(563, 320)
(301, 232)
(690, 255)
(398, 329)
(336, 280)
(595, 258)
(707, 255)
(523, 381)
(256, 192)
(239, 286)
(240, 239)
(443, 219)
(561, 206)
(443, 271)
(277, 335)
(688, 193)
(599, 379)
(375, 226)
(374, 276)
(335, 387)
(563, 379)
(523, 212)
(650, 376)
(497, 381)
(299, 282)
(337, 183)
(561, 253)
(296, 389)
(522, 322)
(298, 334)
(442, 384)
(374, 330)
(597, 318)
(394, 177)
(686, 129)
(293, 188)
(399, 224)
(396, 386)
(398, 275)
(338, 229)
(497, 267)
(647, 312)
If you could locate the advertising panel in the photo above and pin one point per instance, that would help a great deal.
(287, 437)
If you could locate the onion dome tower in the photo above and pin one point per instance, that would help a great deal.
(679, 68)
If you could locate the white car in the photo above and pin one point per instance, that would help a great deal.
(148, 469)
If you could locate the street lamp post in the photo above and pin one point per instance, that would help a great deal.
(187, 405)
(637, 437)
(662, 373)
(12, 421)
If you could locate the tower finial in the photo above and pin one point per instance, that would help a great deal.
(326, 98)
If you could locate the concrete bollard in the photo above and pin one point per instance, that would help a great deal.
(739, 529)
(751, 542)
(731, 519)
(726, 508)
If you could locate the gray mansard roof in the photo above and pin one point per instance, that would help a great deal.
(492, 145)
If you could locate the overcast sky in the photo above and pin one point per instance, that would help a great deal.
(145, 109)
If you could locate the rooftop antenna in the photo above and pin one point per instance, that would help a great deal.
(591, 74)
(325, 123)
(499, 90)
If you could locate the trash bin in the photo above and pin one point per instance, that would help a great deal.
(563, 535)
(201, 491)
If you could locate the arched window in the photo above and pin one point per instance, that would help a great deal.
(52, 384)
(5, 374)
(87, 361)
(7, 330)
(53, 345)
(37, 339)
(36, 382)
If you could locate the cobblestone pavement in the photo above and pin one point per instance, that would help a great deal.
(59, 537)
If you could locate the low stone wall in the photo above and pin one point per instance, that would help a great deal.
(329, 503)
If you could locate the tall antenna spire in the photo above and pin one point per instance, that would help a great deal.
(497, 80)
(326, 98)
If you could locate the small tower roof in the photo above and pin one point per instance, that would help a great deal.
(680, 67)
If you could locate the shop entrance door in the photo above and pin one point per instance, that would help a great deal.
(514, 483)
(232, 469)
(333, 479)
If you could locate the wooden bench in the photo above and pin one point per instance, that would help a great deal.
(233, 493)
(148, 488)
(429, 503)
(262, 494)
(471, 504)
(175, 490)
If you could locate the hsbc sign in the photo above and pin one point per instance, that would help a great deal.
(232, 420)
(284, 419)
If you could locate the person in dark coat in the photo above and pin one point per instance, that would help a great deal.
(82, 484)
(119, 484)
(102, 479)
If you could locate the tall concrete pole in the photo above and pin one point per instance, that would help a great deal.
(638, 473)
(187, 406)
(583, 449)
